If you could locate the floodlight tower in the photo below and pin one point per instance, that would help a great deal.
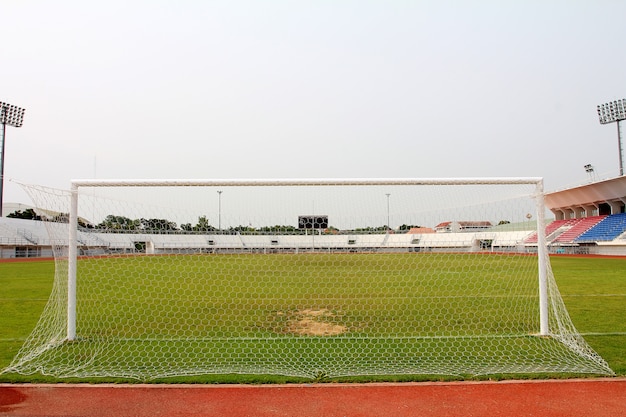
(388, 226)
(219, 211)
(13, 116)
(589, 169)
(614, 111)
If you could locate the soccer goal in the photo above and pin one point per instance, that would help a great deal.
(309, 278)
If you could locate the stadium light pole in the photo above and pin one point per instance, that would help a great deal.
(219, 210)
(12, 116)
(614, 111)
(388, 226)
(589, 169)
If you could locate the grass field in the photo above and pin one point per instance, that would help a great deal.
(594, 290)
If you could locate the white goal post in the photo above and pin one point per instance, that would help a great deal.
(537, 181)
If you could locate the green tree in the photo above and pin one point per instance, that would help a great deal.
(285, 229)
(61, 218)
(28, 214)
(203, 225)
(158, 225)
(118, 223)
(243, 229)
(407, 227)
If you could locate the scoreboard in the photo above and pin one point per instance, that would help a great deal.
(313, 222)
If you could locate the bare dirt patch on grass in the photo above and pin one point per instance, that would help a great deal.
(310, 322)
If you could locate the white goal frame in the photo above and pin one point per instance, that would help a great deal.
(537, 181)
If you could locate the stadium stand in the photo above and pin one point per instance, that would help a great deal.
(589, 219)
(23, 238)
(578, 227)
(550, 230)
(610, 228)
(29, 238)
(578, 208)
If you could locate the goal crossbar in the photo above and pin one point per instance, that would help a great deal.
(303, 182)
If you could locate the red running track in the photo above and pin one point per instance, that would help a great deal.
(581, 397)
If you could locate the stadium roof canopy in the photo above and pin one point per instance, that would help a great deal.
(598, 198)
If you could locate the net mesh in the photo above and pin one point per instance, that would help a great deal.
(220, 279)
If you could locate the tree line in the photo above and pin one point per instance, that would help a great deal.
(121, 224)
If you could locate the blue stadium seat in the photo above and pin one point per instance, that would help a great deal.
(608, 229)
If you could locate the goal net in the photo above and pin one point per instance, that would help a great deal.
(309, 278)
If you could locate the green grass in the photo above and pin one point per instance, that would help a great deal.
(25, 290)
(258, 291)
(593, 290)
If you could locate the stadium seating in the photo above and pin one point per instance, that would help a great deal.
(17, 234)
(550, 229)
(577, 228)
(588, 229)
(606, 230)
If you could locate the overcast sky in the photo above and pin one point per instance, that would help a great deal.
(308, 89)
